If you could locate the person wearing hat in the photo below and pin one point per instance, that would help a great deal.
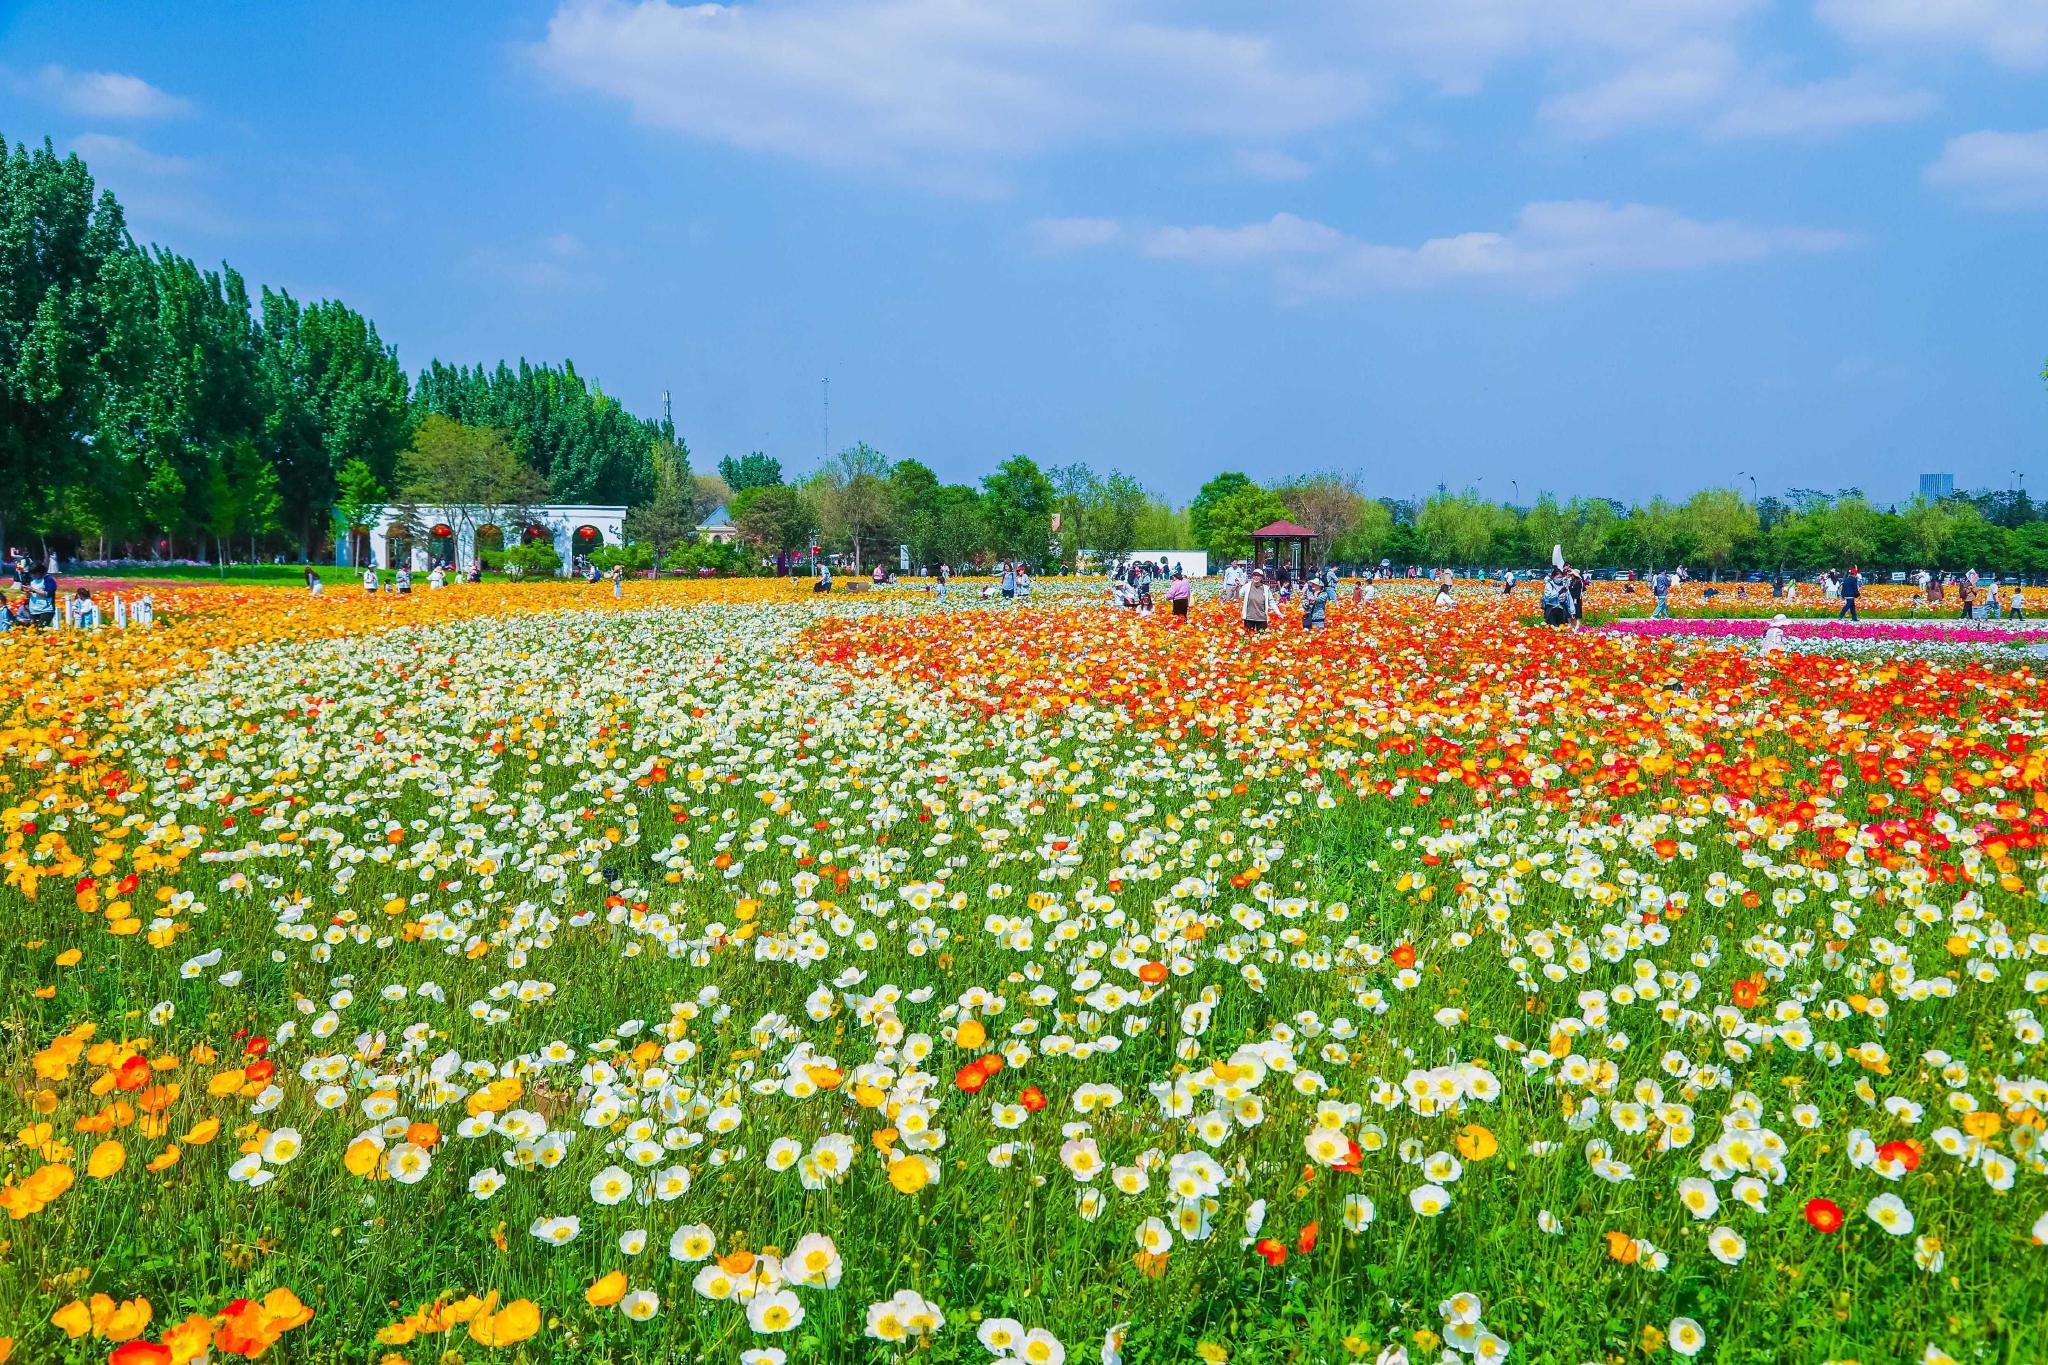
(1258, 602)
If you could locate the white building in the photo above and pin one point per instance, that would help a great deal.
(453, 533)
(718, 529)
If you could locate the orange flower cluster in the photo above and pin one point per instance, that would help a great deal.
(246, 1328)
(488, 1323)
(129, 1078)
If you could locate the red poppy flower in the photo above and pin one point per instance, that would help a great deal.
(970, 1078)
(1271, 1250)
(1824, 1214)
(1904, 1151)
(1306, 1242)
(1033, 1099)
(1404, 955)
(140, 1353)
(1746, 993)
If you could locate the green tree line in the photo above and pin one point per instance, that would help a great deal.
(149, 404)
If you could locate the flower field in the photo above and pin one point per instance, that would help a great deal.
(501, 975)
(1886, 631)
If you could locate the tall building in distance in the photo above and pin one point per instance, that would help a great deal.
(1935, 487)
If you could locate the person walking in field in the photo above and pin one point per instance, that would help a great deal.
(1660, 586)
(618, 581)
(1851, 588)
(1315, 606)
(1557, 599)
(1178, 592)
(2019, 602)
(1966, 595)
(1258, 603)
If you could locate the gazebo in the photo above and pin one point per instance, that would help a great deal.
(1281, 547)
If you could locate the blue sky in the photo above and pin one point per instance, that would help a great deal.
(1595, 246)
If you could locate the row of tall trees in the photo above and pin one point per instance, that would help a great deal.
(863, 503)
(148, 403)
(1716, 529)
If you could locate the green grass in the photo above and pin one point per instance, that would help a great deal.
(289, 575)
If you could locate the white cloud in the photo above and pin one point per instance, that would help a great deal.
(1995, 170)
(559, 266)
(105, 153)
(1554, 246)
(1282, 235)
(1053, 236)
(1457, 43)
(1270, 164)
(934, 89)
(100, 94)
(1674, 85)
(1821, 108)
(1709, 86)
(2012, 33)
(952, 93)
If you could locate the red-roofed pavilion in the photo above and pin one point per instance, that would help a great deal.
(1282, 547)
